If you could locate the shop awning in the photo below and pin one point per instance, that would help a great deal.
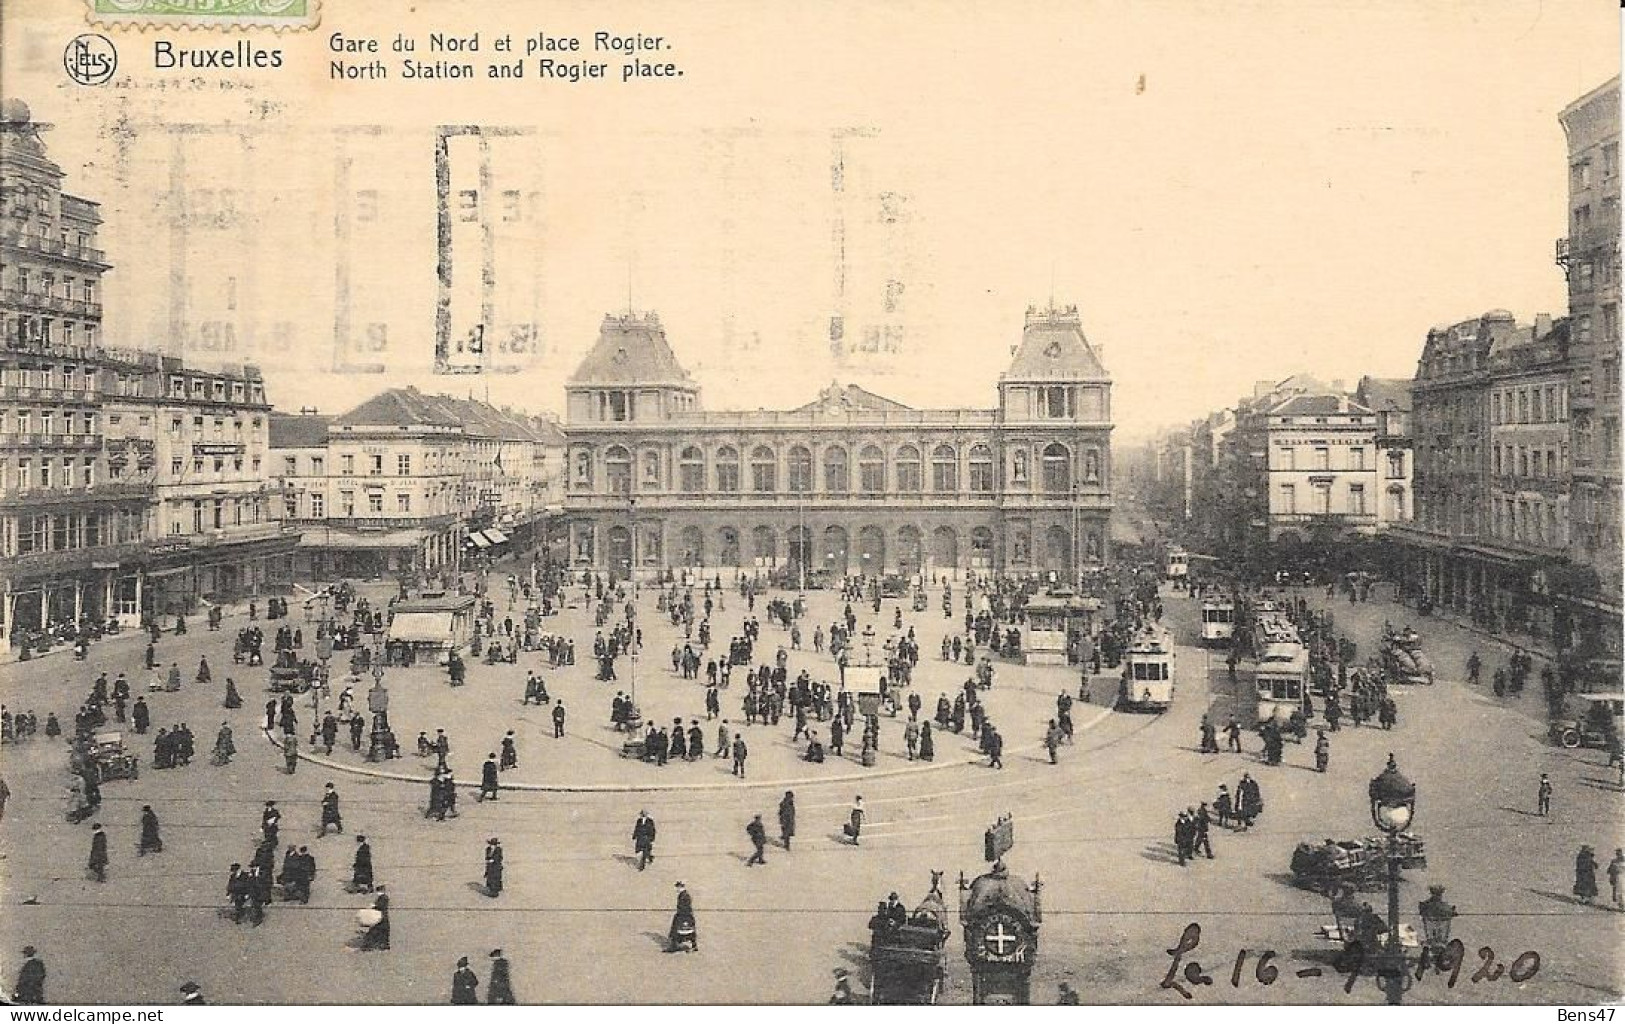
(496, 536)
(478, 540)
(421, 627)
(346, 540)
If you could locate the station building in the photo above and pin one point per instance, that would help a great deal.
(850, 483)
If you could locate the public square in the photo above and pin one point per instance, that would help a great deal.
(581, 923)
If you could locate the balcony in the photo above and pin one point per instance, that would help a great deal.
(365, 524)
(52, 442)
(47, 245)
(1332, 519)
(19, 393)
(49, 302)
(240, 534)
(50, 497)
(42, 563)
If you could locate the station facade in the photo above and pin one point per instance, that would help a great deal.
(851, 483)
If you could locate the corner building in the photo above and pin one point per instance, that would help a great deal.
(850, 483)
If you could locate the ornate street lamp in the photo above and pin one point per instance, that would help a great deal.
(1436, 918)
(1393, 807)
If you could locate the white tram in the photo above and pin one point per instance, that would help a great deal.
(1218, 621)
(1282, 678)
(1178, 563)
(1148, 673)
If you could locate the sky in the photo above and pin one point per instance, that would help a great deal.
(1228, 192)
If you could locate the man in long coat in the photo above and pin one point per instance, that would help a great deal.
(98, 852)
(361, 872)
(330, 810)
(493, 867)
(464, 985)
(787, 818)
(150, 843)
(500, 991)
(30, 988)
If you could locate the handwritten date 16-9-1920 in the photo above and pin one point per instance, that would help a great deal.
(1183, 975)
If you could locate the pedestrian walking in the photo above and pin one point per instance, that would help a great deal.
(488, 779)
(995, 746)
(740, 753)
(787, 818)
(1616, 878)
(464, 985)
(290, 752)
(643, 839)
(150, 843)
(500, 990)
(1543, 796)
(1203, 842)
(684, 928)
(1585, 875)
(98, 852)
(493, 867)
(558, 720)
(758, 839)
(361, 870)
(1323, 751)
(30, 987)
(376, 937)
(1052, 739)
(854, 825)
(1183, 834)
(330, 810)
(510, 752)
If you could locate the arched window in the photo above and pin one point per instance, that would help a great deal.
(981, 469)
(1057, 469)
(691, 470)
(836, 475)
(908, 469)
(764, 470)
(871, 470)
(727, 469)
(618, 470)
(799, 467)
(944, 469)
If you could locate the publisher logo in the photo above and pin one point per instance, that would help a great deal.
(90, 59)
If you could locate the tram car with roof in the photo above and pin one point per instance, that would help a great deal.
(1218, 621)
(1177, 564)
(1148, 673)
(1282, 679)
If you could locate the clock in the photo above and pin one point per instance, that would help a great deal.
(1053, 350)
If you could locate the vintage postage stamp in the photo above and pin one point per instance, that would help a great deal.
(221, 14)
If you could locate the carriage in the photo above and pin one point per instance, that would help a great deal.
(1402, 658)
(909, 961)
(107, 757)
(1331, 866)
(290, 674)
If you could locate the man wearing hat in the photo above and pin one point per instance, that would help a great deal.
(193, 994)
(488, 779)
(464, 985)
(643, 839)
(500, 991)
(30, 988)
(330, 810)
(758, 838)
(683, 920)
(493, 867)
(98, 852)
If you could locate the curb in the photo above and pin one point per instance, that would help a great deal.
(650, 787)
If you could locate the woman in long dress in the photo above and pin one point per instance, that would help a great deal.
(233, 698)
(224, 748)
(377, 936)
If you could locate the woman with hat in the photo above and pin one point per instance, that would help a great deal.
(683, 926)
(500, 991)
(1585, 875)
(464, 985)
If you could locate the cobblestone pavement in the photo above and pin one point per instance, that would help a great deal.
(581, 923)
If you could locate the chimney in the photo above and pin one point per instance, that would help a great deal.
(1543, 324)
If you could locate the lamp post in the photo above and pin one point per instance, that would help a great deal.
(805, 541)
(1393, 807)
(1436, 918)
(324, 651)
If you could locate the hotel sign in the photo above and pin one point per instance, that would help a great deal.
(218, 449)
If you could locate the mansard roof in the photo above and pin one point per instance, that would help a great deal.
(399, 407)
(631, 349)
(849, 398)
(1053, 347)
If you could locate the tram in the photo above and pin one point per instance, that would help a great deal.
(1218, 621)
(1283, 678)
(1178, 564)
(1148, 673)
